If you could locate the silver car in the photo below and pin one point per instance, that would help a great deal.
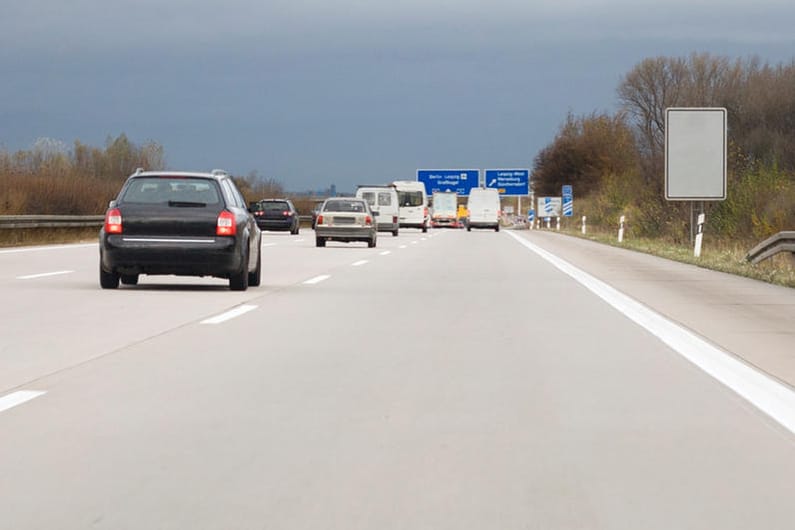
(345, 219)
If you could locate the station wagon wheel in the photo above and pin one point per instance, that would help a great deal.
(129, 279)
(108, 280)
(239, 280)
(320, 242)
(254, 278)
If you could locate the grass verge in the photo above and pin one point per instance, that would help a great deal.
(22, 237)
(716, 255)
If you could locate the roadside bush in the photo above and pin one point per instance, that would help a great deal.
(50, 178)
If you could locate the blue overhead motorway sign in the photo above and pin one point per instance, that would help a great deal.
(457, 180)
(509, 182)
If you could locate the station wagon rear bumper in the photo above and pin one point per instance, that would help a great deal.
(344, 233)
(186, 256)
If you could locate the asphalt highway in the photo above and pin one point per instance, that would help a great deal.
(448, 380)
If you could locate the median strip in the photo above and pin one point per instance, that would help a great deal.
(18, 398)
(43, 275)
(229, 315)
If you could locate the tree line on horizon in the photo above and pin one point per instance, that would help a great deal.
(615, 161)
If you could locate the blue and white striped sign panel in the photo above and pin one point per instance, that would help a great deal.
(568, 201)
(549, 206)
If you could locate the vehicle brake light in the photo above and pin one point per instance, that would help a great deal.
(113, 221)
(368, 220)
(394, 219)
(319, 220)
(287, 213)
(226, 224)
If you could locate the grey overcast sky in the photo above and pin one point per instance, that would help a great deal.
(314, 92)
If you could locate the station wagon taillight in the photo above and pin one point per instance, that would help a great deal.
(287, 213)
(226, 224)
(113, 221)
(368, 220)
(319, 220)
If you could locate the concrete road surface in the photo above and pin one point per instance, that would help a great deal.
(443, 381)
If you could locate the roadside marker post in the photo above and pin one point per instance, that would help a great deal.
(621, 229)
(583, 225)
(699, 235)
(557, 224)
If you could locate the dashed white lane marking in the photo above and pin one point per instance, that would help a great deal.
(301, 240)
(229, 315)
(423, 239)
(359, 263)
(771, 397)
(386, 253)
(269, 244)
(41, 249)
(43, 275)
(18, 398)
(317, 279)
(402, 246)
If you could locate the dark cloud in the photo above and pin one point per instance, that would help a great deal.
(310, 93)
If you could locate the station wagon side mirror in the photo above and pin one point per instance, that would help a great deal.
(112, 204)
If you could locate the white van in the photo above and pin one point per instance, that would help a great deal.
(483, 209)
(384, 200)
(413, 203)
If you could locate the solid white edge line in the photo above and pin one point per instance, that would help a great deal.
(359, 263)
(229, 315)
(768, 395)
(43, 275)
(17, 398)
(386, 253)
(41, 249)
(317, 279)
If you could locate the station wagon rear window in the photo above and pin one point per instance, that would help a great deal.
(344, 206)
(162, 190)
(274, 206)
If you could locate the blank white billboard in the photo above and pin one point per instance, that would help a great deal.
(695, 154)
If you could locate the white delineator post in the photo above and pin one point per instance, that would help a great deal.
(557, 225)
(621, 229)
(699, 235)
(583, 225)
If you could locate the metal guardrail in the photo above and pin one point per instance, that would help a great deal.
(781, 242)
(50, 221)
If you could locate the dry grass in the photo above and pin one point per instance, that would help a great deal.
(716, 255)
(46, 236)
